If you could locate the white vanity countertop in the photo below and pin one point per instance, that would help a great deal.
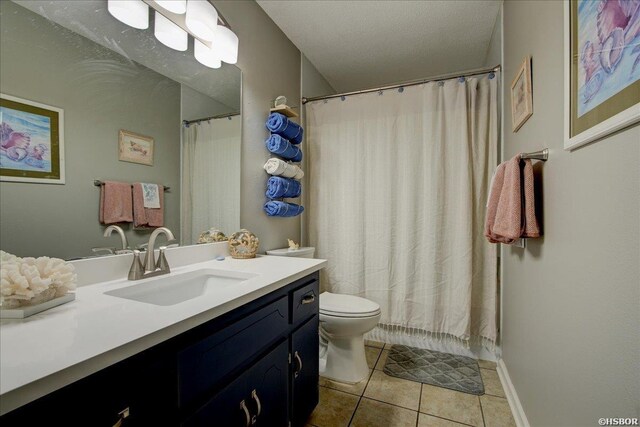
(54, 348)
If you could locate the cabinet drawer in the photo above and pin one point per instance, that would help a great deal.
(305, 302)
(202, 365)
(258, 397)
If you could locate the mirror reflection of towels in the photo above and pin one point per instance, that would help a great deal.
(151, 196)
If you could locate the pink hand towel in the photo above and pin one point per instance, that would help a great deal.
(531, 227)
(115, 202)
(147, 216)
(511, 204)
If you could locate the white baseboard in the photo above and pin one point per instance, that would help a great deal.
(512, 397)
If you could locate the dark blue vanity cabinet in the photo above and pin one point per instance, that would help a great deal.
(304, 379)
(254, 366)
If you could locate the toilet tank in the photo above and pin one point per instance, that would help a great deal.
(306, 252)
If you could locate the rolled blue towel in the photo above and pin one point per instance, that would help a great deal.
(277, 123)
(283, 148)
(278, 187)
(276, 208)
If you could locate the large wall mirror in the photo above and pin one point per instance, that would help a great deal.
(107, 78)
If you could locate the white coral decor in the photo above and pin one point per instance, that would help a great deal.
(26, 281)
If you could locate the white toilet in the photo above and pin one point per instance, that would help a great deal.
(344, 319)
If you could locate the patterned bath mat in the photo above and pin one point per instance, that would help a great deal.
(446, 370)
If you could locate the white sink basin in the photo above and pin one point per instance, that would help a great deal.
(174, 289)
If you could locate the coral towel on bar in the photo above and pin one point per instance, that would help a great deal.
(511, 205)
(277, 123)
(281, 168)
(283, 148)
(278, 187)
(115, 202)
(276, 208)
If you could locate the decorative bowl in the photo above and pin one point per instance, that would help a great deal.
(243, 244)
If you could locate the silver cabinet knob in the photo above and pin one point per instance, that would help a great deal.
(299, 360)
(243, 406)
(254, 394)
(122, 415)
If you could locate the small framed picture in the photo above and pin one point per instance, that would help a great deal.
(521, 95)
(31, 141)
(135, 148)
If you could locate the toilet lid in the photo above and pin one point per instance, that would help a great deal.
(347, 305)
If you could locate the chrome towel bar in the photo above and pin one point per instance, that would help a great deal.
(537, 155)
(98, 183)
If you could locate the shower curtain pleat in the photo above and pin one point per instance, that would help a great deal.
(398, 185)
(210, 178)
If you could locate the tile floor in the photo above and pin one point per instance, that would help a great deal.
(385, 401)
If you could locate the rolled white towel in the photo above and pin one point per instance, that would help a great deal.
(279, 167)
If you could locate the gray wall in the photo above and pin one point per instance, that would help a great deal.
(494, 52)
(54, 66)
(270, 66)
(196, 105)
(312, 84)
(571, 338)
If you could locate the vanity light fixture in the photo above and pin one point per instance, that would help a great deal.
(205, 55)
(134, 13)
(202, 19)
(170, 34)
(213, 42)
(175, 6)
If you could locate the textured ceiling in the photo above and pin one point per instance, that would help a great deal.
(90, 19)
(363, 44)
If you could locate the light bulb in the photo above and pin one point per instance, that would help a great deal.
(134, 13)
(175, 6)
(202, 19)
(170, 34)
(226, 44)
(205, 55)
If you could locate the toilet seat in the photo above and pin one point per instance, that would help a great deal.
(349, 306)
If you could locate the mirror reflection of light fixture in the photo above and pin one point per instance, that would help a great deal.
(175, 6)
(202, 19)
(206, 56)
(170, 34)
(134, 13)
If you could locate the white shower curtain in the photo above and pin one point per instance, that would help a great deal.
(210, 178)
(397, 193)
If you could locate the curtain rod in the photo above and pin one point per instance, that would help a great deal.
(411, 83)
(220, 116)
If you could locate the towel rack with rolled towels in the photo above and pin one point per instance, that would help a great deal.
(98, 183)
(537, 155)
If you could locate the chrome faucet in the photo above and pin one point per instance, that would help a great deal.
(123, 239)
(150, 267)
